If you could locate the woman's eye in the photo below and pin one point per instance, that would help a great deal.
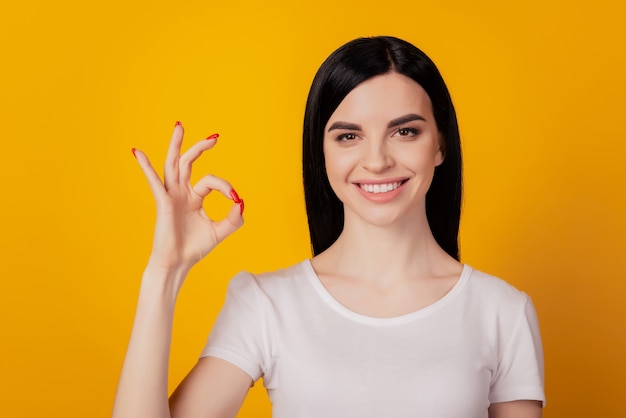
(346, 137)
(407, 132)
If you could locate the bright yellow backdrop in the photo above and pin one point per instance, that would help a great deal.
(539, 89)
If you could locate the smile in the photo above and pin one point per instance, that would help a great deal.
(380, 188)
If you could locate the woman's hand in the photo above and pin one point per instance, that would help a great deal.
(184, 234)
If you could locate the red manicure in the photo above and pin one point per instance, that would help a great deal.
(178, 123)
(241, 207)
(133, 150)
(235, 196)
(214, 136)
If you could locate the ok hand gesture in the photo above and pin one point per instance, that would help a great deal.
(184, 234)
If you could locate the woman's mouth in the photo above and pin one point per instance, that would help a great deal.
(381, 187)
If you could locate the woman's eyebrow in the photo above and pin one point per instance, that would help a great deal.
(404, 119)
(393, 123)
(344, 125)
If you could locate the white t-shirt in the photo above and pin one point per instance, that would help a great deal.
(477, 345)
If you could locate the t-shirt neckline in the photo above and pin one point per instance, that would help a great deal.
(330, 300)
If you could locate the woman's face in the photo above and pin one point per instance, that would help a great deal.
(381, 147)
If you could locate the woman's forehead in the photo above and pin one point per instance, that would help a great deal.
(383, 98)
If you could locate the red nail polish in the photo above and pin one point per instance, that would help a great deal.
(133, 151)
(178, 123)
(214, 136)
(241, 207)
(235, 196)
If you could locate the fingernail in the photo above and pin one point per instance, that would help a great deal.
(133, 151)
(241, 207)
(235, 196)
(214, 136)
(178, 123)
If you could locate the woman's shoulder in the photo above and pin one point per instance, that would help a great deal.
(273, 281)
(493, 288)
(499, 305)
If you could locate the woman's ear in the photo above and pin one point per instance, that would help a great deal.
(441, 150)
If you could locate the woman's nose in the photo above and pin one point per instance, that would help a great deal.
(376, 157)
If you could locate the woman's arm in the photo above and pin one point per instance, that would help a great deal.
(142, 389)
(183, 236)
(516, 409)
(227, 384)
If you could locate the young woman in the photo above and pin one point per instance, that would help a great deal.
(383, 321)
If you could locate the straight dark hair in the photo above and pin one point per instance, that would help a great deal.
(346, 68)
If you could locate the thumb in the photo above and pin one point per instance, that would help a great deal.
(232, 222)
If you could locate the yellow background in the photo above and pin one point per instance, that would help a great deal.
(539, 88)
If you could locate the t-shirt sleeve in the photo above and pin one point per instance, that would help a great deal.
(520, 370)
(240, 334)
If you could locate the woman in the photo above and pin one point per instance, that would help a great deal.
(384, 321)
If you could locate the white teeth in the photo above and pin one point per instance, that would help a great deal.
(380, 188)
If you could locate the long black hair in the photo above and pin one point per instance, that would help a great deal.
(346, 68)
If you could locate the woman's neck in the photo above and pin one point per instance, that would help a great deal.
(386, 254)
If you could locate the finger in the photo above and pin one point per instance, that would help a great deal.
(192, 154)
(233, 221)
(170, 174)
(209, 182)
(154, 181)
